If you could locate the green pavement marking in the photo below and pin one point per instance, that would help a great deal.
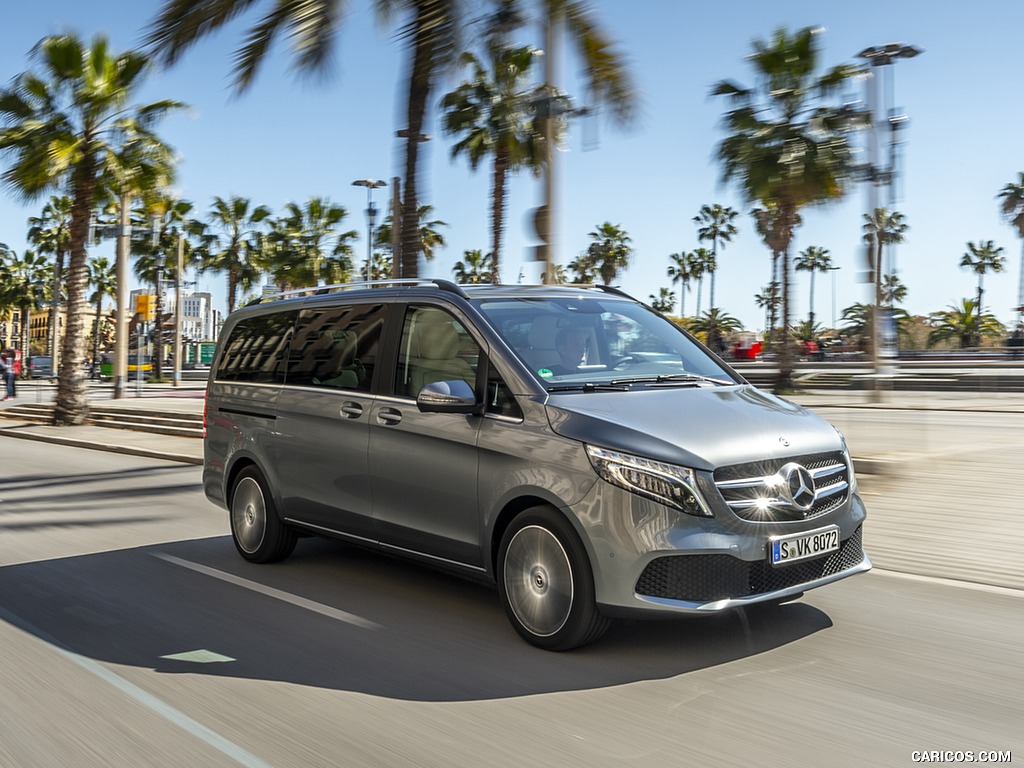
(202, 656)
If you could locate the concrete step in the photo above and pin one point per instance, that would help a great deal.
(156, 422)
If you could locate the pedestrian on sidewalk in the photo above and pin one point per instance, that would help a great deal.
(7, 371)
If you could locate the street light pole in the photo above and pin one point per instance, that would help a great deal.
(877, 57)
(371, 214)
(178, 309)
(833, 270)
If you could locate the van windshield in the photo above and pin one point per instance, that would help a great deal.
(584, 341)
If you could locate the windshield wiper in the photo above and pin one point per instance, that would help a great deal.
(676, 378)
(589, 386)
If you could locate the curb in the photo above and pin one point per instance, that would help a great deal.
(123, 449)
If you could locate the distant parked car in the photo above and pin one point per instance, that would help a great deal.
(41, 367)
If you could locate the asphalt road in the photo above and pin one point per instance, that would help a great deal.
(133, 635)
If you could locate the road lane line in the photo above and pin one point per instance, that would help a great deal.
(990, 588)
(160, 707)
(277, 594)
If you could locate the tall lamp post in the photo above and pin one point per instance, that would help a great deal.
(371, 215)
(877, 57)
(833, 270)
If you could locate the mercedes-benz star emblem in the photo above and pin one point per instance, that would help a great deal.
(798, 484)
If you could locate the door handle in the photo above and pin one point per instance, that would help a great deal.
(389, 416)
(351, 410)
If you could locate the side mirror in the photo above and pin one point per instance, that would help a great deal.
(447, 397)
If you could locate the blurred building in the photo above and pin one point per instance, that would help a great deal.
(199, 320)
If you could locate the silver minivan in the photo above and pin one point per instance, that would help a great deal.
(568, 444)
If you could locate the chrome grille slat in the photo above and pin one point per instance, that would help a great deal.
(752, 490)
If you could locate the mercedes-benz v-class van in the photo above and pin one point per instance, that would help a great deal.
(568, 444)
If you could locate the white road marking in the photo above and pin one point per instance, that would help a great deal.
(161, 708)
(277, 594)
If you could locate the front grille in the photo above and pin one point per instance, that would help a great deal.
(703, 578)
(753, 490)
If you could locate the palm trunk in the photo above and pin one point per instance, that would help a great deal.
(158, 334)
(787, 356)
(53, 339)
(498, 211)
(96, 338)
(810, 315)
(71, 406)
(420, 84)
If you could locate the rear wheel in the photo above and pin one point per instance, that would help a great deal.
(258, 532)
(546, 584)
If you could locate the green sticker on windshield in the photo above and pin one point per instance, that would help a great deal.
(545, 373)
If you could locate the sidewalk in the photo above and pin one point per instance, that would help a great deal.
(160, 398)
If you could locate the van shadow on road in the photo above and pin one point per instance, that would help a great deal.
(432, 637)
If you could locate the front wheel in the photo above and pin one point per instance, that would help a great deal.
(545, 582)
(258, 533)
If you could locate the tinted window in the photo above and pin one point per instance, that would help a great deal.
(255, 349)
(336, 347)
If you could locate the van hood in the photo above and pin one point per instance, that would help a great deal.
(698, 427)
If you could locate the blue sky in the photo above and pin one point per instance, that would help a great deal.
(288, 139)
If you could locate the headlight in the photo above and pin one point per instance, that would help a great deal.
(668, 484)
(849, 462)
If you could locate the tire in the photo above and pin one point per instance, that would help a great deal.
(256, 528)
(545, 582)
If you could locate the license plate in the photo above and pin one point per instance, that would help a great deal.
(784, 550)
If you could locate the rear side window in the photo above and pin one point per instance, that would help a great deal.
(255, 349)
(336, 347)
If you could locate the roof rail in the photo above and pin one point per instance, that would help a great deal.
(318, 290)
(615, 290)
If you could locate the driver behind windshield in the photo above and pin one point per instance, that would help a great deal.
(571, 346)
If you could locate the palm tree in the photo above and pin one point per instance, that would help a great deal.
(787, 146)
(982, 257)
(702, 262)
(1013, 211)
(104, 283)
(584, 267)
(664, 302)
(430, 29)
(814, 259)
(893, 290)
(430, 237)
(51, 233)
(493, 112)
(882, 228)
(477, 267)
(557, 274)
(64, 128)
(965, 323)
(766, 222)
(859, 321)
(232, 244)
(712, 319)
(610, 249)
(27, 280)
(680, 272)
(715, 224)
(768, 300)
(311, 245)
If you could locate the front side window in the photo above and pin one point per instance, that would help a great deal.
(255, 349)
(435, 347)
(336, 347)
